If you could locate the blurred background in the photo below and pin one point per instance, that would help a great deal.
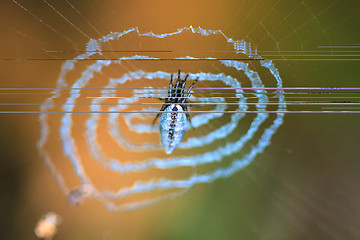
(304, 185)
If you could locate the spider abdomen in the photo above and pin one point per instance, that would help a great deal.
(173, 125)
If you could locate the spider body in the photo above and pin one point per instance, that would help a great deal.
(175, 120)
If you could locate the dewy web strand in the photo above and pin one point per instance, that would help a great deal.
(117, 165)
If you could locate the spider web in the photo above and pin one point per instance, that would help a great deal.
(301, 38)
(157, 182)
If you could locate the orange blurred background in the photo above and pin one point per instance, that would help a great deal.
(304, 186)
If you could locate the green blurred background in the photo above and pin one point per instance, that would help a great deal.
(305, 184)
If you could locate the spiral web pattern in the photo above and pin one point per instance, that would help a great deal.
(213, 149)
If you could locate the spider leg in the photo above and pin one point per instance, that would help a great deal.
(184, 99)
(157, 116)
(191, 87)
(186, 77)
(170, 91)
(161, 109)
(189, 119)
(183, 85)
(177, 91)
(187, 94)
(185, 107)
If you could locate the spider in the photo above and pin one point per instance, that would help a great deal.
(175, 121)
